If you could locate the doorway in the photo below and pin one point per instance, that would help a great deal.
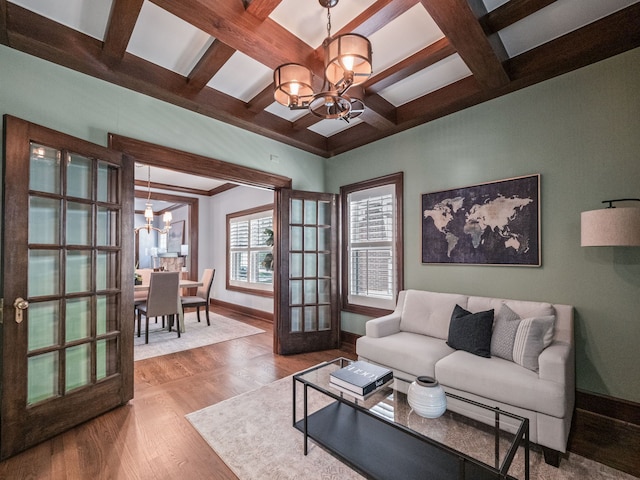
(179, 162)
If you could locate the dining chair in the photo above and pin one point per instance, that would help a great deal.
(201, 298)
(140, 296)
(163, 300)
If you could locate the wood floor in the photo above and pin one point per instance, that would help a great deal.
(150, 438)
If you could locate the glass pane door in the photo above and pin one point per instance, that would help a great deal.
(308, 312)
(67, 347)
(73, 281)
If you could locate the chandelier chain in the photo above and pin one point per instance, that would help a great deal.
(328, 22)
(148, 183)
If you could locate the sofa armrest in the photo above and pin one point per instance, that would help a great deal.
(557, 364)
(383, 326)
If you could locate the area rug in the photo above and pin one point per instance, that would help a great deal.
(196, 334)
(253, 434)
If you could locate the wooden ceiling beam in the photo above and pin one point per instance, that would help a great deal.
(222, 188)
(173, 188)
(379, 113)
(4, 37)
(41, 37)
(122, 20)
(356, 136)
(375, 17)
(442, 102)
(509, 13)
(209, 64)
(426, 57)
(261, 9)
(263, 40)
(601, 39)
(459, 24)
(262, 100)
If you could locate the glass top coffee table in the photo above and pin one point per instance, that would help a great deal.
(381, 437)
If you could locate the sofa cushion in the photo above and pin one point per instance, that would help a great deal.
(523, 308)
(505, 327)
(503, 381)
(409, 352)
(531, 338)
(429, 313)
(471, 332)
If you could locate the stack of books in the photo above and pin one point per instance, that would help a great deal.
(360, 379)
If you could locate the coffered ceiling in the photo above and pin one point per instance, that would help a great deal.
(216, 57)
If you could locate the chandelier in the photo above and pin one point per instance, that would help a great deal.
(148, 212)
(347, 63)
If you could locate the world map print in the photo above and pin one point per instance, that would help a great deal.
(490, 224)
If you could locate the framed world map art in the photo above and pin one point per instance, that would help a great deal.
(495, 223)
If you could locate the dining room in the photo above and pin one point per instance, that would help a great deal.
(181, 226)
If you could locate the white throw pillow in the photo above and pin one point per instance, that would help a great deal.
(531, 339)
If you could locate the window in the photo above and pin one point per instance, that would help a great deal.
(250, 254)
(372, 256)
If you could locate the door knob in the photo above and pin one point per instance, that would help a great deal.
(20, 305)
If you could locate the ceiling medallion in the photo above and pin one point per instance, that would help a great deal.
(347, 63)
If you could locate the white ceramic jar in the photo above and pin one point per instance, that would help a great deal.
(426, 397)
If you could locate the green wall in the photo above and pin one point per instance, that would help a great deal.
(581, 132)
(87, 108)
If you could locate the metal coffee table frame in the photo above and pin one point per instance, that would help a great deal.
(382, 449)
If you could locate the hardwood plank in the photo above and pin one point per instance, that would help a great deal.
(150, 436)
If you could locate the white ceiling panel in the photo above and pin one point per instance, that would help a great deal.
(331, 127)
(89, 18)
(281, 111)
(171, 177)
(555, 20)
(307, 19)
(430, 79)
(164, 39)
(417, 30)
(491, 5)
(242, 77)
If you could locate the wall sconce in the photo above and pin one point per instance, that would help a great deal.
(611, 226)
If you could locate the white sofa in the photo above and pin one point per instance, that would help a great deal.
(412, 341)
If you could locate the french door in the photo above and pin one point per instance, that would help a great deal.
(307, 308)
(67, 283)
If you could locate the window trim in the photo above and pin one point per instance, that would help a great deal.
(235, 287)
(395, 179)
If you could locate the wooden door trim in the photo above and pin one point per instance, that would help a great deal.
(192, 163)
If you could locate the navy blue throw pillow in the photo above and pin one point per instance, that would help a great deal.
(471, 332)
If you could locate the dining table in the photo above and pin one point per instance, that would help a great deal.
(184, 283)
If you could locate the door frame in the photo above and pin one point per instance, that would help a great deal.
(194, 164)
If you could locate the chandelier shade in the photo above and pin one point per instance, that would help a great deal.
(148, 212)
(347, 63)
(292, 82)
(348, 60)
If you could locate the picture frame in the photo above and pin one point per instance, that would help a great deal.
(494, 223)
(175, 237)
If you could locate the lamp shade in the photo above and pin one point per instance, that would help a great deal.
(292, 82)
(618, 226)
(345, 54)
